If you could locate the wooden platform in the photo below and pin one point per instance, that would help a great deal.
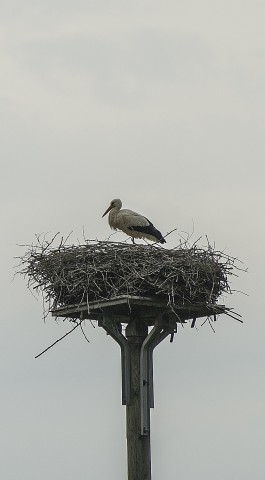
(126, 308)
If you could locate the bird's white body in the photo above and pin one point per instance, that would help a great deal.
(123, 219)
(132, 223)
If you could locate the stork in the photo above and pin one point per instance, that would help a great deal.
(132, 223)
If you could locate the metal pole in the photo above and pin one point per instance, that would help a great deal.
(110, 326)
(159, 332)
(138, 446)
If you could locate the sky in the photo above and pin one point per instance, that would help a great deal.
(160, 104)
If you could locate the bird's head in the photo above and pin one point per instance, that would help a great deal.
(114, 203)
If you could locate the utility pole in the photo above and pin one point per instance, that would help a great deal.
(138, 446)
(148, 322)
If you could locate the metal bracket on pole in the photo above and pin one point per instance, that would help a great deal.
(158, 333)
(111, 328)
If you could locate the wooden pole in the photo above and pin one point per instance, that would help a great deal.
(138, 446)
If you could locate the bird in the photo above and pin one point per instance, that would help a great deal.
(132, 223)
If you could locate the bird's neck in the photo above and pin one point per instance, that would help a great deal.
(112, 216)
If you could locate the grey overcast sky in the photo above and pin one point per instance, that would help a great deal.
(162, 105)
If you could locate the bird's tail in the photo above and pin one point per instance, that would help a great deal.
(159, 236)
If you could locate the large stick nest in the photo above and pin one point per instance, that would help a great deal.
(102, 270)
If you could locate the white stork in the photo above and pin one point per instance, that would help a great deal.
(132, 223)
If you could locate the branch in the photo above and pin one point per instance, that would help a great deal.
(59, 339)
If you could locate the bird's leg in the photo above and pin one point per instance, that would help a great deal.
(132, 239)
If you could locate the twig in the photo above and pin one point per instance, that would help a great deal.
(232, 316)
(59, 339)
(169, 233)
(82, 330)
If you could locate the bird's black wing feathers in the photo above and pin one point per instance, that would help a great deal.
(149, 230)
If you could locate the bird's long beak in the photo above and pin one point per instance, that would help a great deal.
(108, 209)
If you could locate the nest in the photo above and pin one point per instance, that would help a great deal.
(101, 270)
